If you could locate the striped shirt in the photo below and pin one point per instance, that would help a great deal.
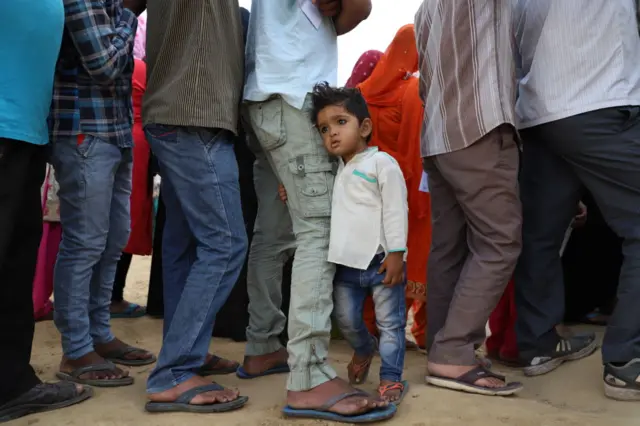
(92, 87)
(467, 72)
(570, 66)
(195, 60)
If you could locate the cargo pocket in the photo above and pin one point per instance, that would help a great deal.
(267, 122)
(313, 176)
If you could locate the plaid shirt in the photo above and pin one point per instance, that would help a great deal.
(92, 89)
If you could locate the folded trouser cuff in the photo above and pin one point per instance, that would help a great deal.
(263, 348)
(311, 377)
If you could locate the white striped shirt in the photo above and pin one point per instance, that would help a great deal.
(575, 56)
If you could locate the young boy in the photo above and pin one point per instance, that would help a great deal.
(368, 237)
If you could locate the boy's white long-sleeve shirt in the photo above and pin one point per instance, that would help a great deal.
(369, 210)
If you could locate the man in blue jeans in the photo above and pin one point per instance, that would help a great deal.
(195, 75)
(91, 135)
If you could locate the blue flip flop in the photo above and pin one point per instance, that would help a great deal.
(132, 311)
(323, 413)
(280, 369)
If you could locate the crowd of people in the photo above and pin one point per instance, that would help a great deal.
(441, 182)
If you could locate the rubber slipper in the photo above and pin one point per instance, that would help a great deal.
(466, 383)
(74, 376)
(183, 403)
(118, 356)
(323, 413)
(210, 369)
(403, 386)
(279, 369)
(44, 397)
(131, 311)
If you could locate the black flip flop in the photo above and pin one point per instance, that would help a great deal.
(466, 383)
(119, 356)
(183, 403)
(74, 376)
(44, 397)
(209, 369)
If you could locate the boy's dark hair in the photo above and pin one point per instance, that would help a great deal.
(324, 95)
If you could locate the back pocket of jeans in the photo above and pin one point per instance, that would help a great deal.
(267, 122)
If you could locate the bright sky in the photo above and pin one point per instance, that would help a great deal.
(374, 33)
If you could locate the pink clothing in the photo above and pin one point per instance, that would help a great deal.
(140, 42)
(43, 280)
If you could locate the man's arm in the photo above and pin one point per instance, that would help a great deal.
(103, 47)
(346, 14)
(352, 12)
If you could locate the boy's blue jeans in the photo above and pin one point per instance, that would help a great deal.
(351, 287)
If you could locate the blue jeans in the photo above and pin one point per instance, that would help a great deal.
(95, 186)
(351, 287)
(204, 243)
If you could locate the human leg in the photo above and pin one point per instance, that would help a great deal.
(23, 166)
(349, 295)
(483, 178)
(604, 151)
(448, 250)
(297, 156)
(85, 172)
(390, 305)
(201, 192)
(272, 245)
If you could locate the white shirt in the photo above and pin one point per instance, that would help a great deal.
(285, 54)
(576, 56)
(369, 210)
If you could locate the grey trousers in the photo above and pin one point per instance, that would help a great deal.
(475, 243)
(600, 150)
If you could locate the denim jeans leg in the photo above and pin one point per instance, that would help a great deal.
(105, 271)
(85, 173)
(178, 252)
(200, 166)
(390, 307)
(348, 305)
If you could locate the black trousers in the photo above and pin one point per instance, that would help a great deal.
(22, 171)
(599, 150)
(121, 277)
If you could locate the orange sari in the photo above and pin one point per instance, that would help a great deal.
(397, 113)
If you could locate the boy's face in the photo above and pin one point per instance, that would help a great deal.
(341, 133)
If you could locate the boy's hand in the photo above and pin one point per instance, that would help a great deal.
(282, 193)
(394, 267)
(330, 8)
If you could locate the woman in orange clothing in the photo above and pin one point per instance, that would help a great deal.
(392, 95)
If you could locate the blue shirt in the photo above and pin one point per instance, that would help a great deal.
(30, 36)
(286, 54)
(92, 90)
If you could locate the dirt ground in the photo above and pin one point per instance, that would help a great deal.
(571, 396)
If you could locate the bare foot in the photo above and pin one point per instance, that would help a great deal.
(390, 391)
(455, 371)
(207, 398)
(215, 363)
(70, 365)
(116, 344)
(122, 306)
(317, 397)
(358, 368)
(256, 365)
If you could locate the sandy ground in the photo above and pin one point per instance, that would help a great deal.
(571, 396)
